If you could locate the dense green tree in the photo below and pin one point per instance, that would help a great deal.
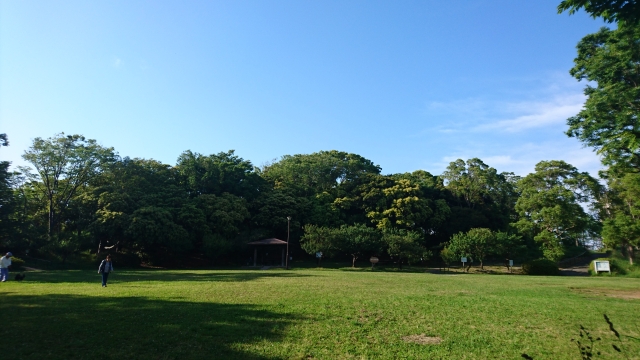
(476, 244)
(320, 239)
(216, 174)
(271, 209)
(610, 59)
(508, 246)
(130, 185)
(627, 11)
(63, 164)
(551, 206)
(7, 199)
(404, 245)
(356, 240)
(316, 180)
(448, 256)
(395, 202)
(224, 219)
(359, 240)
(319, 172)
(480, 197)
(620, 210)
(156, 234)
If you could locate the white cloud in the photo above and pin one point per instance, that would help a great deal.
(522, 159)
(536, 114)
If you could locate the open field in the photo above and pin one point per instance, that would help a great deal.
(312, 314)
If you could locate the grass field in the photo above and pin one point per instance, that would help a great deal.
(312, 314)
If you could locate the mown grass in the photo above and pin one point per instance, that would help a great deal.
(311, 314)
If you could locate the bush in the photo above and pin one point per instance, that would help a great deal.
(16, 263)
(540, 267)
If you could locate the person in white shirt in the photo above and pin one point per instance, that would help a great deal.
(106, 266)
(5, 262)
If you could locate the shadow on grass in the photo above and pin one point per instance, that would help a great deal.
(81, 327)
(156, 275)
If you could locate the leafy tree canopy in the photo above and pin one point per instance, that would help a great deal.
(627, 11)
(609, 120)
(551, 206)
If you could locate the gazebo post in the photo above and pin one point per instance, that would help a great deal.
(255, 255)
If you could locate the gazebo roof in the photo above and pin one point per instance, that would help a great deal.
(272, 241)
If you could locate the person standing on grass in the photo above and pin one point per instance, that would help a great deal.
(106, 266)
(5, 262)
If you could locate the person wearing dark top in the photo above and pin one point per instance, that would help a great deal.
(106, 266)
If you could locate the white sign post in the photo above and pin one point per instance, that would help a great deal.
(601, 266)
(510, 266)
(464, 260)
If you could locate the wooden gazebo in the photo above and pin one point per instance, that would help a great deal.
(265, 244)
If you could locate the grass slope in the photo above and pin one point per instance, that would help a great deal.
(311, 314)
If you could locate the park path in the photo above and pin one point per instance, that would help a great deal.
(579, 266)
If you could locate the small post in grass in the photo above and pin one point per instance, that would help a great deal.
(510, 266)
(464, 260)
(374, 260)
(288, 226)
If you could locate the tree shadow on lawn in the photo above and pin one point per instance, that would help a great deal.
(81, 327)
(154, 275)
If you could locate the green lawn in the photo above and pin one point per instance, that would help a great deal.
(311, 314)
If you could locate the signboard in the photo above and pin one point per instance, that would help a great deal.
(319, 254)
(464, 259)
(601, 266)
(510, 263)
(374, 260)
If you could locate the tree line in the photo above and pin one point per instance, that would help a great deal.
(79, 196)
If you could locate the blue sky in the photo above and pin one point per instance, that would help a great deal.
(408, 84)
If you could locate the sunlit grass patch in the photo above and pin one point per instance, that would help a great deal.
(325, 314)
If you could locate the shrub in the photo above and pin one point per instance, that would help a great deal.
(540, 267)
(16, 263)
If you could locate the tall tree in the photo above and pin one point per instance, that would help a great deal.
(620, 211)
(551, 206)
(610, 59)
(215, 174)
(63, 164)
(319, 172)
(7, 198)
(481, 197)
(126, 188)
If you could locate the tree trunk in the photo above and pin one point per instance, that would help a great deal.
(630, 254)
(50, 219)
(481, 266)
(353, 263)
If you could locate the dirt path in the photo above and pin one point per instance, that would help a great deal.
(580, 266)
